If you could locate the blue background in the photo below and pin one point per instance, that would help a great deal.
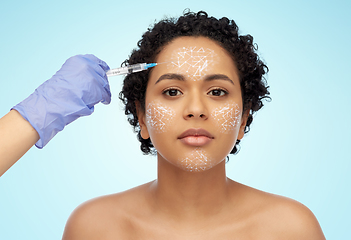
(298, 145)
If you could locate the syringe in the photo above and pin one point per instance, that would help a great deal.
(130, 69)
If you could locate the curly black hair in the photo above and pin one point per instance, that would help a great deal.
(223, 31)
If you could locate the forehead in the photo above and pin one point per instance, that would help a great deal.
(195, 56)
(187, 42)
(194, 60)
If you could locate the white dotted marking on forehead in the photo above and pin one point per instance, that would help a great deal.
(227, 117)
(193, 60)
(197, 161)
(158, 116)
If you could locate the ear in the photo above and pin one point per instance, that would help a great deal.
(244, 118)
(142, 122)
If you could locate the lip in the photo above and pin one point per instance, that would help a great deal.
(196, 137)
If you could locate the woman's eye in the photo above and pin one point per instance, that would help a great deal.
(218, 92)
(172, 92)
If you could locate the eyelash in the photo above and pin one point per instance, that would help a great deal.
(219, 89)
(216, 89)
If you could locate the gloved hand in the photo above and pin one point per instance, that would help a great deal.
(71, 93)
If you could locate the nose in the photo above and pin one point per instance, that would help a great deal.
(195, 108)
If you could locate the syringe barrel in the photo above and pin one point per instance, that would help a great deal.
(128, 69)
(136, 67)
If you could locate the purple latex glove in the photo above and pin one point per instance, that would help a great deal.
(71, 93)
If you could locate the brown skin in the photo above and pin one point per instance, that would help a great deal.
(247, 214)
(192, 205)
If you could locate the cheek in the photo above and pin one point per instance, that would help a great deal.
(227, 118)
(159, 117)
(192, 61)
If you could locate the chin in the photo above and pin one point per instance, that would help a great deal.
(198, 161)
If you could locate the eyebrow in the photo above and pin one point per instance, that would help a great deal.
(171, 76)
(175, 76)
(218, 77)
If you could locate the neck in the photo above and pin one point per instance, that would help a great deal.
(190, 194)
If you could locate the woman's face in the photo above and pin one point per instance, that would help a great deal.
(193, 105)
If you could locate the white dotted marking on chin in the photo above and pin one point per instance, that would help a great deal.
(197, 161)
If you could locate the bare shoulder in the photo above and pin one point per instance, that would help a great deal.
(294, 220)
(281, 217)
(106, 217)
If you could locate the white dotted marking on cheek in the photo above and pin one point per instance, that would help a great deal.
(192, 60)
(227, 117)
(197, 161)
(159, 117)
